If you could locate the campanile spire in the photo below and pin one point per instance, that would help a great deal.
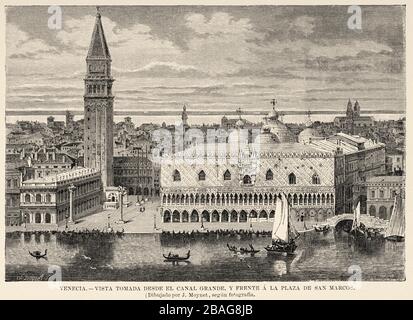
(98, 105)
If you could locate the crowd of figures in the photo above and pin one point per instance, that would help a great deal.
(68, 236)
(216, 234)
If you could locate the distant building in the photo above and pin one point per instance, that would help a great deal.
(69, 120)
(36, 139)
(55, 125)
(47, 200)
(353, 122)
(381, 192)
(395, 163)
(133, 167)
(49, 161)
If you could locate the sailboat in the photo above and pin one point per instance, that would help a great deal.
(357, 229)
(283, 233)
(395, 229)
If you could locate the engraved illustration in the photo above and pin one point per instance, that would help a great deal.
(205, 143)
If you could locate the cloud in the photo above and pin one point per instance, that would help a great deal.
(19, 45)
(302, 26)
(163, 69)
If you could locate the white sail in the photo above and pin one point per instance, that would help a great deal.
(356, 219)
(397, 222)
(280, 230)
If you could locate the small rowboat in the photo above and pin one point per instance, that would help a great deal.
(176, 258)
(251, 251)
(322, 228)
(232, 248)
(37, 254)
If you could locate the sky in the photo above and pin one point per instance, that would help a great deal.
(211, 58)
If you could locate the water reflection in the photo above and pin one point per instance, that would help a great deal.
(138, 257)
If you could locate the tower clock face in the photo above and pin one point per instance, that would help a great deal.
(97, 68)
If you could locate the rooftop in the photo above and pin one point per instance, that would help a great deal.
(63, 176)
(390, 179)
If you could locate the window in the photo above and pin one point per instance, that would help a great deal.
(373, 194)
(247, 179)
(381, 194)
(8, 183)
(177, 176)
(269, 175)
(38, 198)
(48, 198)
(227, 175)
(27, 198)
(201, 176)
(292, 179)
(316, 179)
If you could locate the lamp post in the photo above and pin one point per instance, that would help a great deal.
(122, 192)
(71, 188)
(109, 227)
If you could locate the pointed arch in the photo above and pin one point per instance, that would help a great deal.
(316, 179)
(177, 175)
(247, 179)
(292, 179)
(269, 175)
(201, 175)
(227, 175)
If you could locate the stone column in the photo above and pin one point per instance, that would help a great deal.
(71, 189)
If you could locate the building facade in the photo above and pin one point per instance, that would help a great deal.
(137, 174)
(52, 200)
(13, 181)
(356, 159)
(395, 163)
(381, 192)
(245, 189)
(98, 106)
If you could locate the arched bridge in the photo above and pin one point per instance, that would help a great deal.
(367, 220)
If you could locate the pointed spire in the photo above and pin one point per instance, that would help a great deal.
(98, 47)
(349, 111)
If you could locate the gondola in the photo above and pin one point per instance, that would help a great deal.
(251, 251)
(37, 254)
(279, 247)
(321, 228)
(176, 258)
(232, 248)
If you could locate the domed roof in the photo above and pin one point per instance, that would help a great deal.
(307, 134)
(273, 114)
(280, 130)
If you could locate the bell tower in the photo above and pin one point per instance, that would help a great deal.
(98, 106)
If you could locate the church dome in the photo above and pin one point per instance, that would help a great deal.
(307, 134)
(280, 130)
(273, 114)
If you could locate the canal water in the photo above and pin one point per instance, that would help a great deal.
(138, 257)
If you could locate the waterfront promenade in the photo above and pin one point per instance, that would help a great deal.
(150, 221)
